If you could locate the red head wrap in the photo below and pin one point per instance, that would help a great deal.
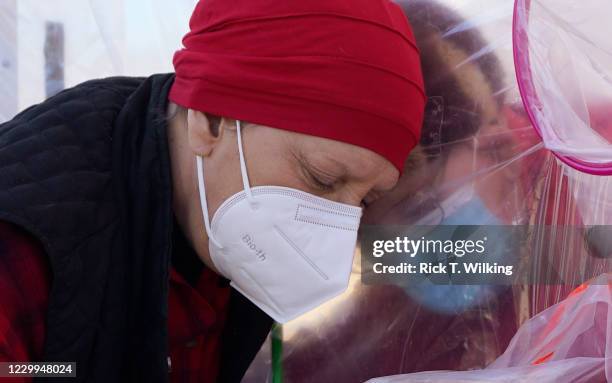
(342, 69)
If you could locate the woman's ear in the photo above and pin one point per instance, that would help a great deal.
(204, 132)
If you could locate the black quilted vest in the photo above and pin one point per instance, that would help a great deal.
(87, 172)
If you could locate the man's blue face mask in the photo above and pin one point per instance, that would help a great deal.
(456, 299)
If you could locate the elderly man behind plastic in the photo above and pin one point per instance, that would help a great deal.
(297, 114)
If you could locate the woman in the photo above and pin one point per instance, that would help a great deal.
(121, 227)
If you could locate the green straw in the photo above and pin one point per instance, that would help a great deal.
(277, 353)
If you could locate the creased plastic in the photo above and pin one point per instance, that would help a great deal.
(480, 161)
(564, 70)
(478, 149)
(570, 342)
(102, 38)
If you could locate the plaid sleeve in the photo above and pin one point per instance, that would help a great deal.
(25, 277)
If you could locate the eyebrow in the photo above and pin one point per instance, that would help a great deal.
(388, 184)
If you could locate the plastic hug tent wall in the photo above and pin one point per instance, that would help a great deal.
(563, 62)
(569, 342)
(479, 162)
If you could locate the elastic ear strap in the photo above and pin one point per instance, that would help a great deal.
(203, 202)
(243, 169)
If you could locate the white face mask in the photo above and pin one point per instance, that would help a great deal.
(286, 250)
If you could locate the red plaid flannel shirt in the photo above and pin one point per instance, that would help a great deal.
(195, 318)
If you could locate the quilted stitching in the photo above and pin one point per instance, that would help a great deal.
(57, 181)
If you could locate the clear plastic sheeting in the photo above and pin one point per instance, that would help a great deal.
(564, 69)
(575, 370)
(480, 162)
(570, 342)
(99, 38)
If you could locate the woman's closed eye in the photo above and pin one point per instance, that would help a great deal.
(320, 181)
(318, 178)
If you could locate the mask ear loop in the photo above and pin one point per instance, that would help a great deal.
(243, 169)
(202, 187)
(203, 202)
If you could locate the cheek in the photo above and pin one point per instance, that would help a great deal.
(222, 178)
(268, 158)
(273, 171)
(220, 192)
